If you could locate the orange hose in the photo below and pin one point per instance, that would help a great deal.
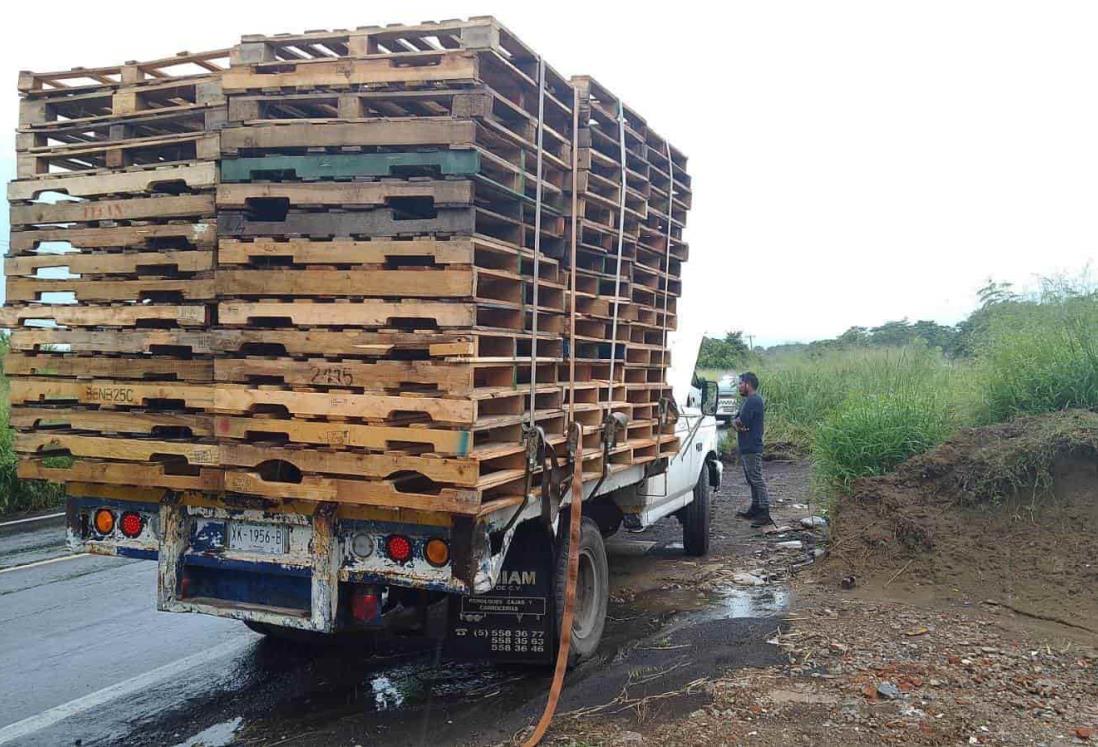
(569, 599)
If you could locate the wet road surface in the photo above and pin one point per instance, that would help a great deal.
(86, 659)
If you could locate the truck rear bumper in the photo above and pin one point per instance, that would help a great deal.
(316, 577)
(295, 592)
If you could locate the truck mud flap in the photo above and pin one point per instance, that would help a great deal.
(515, 622)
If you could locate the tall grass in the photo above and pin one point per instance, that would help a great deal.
(1040, 357)
(863, 411)
(875, 434)
(802, 392)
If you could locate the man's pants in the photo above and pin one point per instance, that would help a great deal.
(753, 472)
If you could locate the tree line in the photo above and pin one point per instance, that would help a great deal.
(955, 341)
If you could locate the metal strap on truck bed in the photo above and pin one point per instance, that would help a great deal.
(537, 242)
(621, 244)
(667, 248)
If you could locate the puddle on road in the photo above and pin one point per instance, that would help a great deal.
(386, 695)
(218, 735)
(750, 602)
(415, 683)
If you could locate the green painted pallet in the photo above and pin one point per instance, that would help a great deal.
(350, 165)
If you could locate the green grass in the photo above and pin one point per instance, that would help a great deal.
(1039, 358)
(874, 434)
(861, 411)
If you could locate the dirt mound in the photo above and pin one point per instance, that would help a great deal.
(1005, 514)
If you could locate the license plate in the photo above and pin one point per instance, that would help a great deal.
(264, 538)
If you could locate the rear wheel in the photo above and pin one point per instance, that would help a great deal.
(695, 517)
(592, 591)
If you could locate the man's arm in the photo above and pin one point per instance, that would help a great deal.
(749, 412)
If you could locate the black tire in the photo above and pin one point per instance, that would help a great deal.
(695, 517)
(592, 590)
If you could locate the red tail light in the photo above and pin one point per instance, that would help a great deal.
(131, 524)
(365, 604)
(398, 548)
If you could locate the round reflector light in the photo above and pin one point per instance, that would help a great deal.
(437, 552)
(398, 548)
(362, 545)
(104, 521)
(131, 524)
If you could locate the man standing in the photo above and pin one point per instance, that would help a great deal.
(749, 433)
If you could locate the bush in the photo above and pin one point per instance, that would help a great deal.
(1040, 357)
(874, 434)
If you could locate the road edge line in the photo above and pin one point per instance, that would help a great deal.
(57, 714)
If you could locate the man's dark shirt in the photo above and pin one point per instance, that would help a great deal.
(751, 415)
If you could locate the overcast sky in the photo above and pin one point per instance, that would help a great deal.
(853, 162)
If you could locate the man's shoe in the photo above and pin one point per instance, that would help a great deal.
(762, 519)
(750, 513)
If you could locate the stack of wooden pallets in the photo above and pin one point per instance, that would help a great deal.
(396, 211)
(110, 285)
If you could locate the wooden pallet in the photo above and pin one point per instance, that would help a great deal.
(156, 179)
(472, 283)
(163, 207)
(452, 377)
(49, 111)
(110, 422)
(132, 474)
(505, 117)
(408, 70)
(488, 438)
(416, 252)
(112, 393)
(179, 343)
(277, 167)
(86, 157)
(62, 137)
(179, 235)
(110, 317)
(143, 264)
(475, 409)
(78, 79)
(470, 345)
(66, 365)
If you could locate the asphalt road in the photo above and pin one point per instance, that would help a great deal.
(85, 659)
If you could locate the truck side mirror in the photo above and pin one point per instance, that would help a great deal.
(709, 390)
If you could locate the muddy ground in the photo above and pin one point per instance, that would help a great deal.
(984, 633)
